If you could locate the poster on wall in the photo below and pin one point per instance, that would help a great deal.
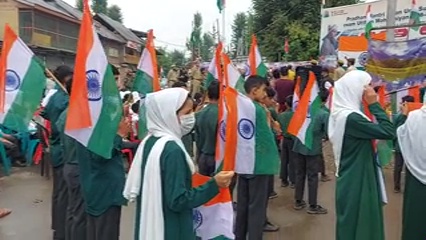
(349, 21)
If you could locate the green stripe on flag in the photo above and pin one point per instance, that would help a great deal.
(27, 99)
(102, 140)
(142, 83)
(266, 151)
(314, 108)
(209, 79)
(368, 28)
(415, 19)
(262, 70)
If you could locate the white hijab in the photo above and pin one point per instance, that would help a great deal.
(412, 140)
(347, 99)
(162, 122)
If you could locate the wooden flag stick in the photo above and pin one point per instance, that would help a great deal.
(55, 79)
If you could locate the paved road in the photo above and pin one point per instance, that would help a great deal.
(28, 195)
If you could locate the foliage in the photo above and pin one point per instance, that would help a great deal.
(195, 41)
(114, 12)
(207, 47)
(239, 28)
(168, 59)
(298, 21)
(100, 6)
(79, 5)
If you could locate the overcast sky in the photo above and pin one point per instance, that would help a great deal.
(171, 19)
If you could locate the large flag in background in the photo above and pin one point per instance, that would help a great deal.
(146, 80)
(95, 107)
(255, 63)
(232, 76)
(309, 104)
(396, 97)
(369, 22)
(250, 143)
(215, 219)
(215, 67)
(22, 82)
(220, 5)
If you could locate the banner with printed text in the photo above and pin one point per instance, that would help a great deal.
(341, 26)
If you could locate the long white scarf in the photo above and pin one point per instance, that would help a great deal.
(162, 122)
(347, 99)
(412, 140)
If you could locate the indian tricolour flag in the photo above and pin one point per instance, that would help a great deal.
(255, 63)
(414, 15)
(146, 80)
(215, 219)
(309, 104)
(232, 76)
(22, 82)
(214, 67)
(95, 107)
(396, 97)
(220, 5)
(369, 22)
(252, 148)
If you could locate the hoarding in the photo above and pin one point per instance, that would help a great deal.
(350, 21)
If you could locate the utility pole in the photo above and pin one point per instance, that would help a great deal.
(218, 31)
(390, 15)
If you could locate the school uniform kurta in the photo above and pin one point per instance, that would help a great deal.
(57, 104)
(179, 198)
(102, 180)
(414, 211)
(206, 129)
(358, 201)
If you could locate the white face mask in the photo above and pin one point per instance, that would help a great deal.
(187, 123)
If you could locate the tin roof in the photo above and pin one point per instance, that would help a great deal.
(117, 26)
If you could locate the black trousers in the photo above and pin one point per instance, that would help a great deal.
(322, 165)
(105, 226)
(76, 214)
(287, 173)
(271, 184)
(59, 203)
(399, 165)
(206, 164)
(307, 166)
(252, 194)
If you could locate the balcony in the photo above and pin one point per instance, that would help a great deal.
(131, 59)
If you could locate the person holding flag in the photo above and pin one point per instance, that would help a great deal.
(160, 175)
(358, 196)
(413, 147)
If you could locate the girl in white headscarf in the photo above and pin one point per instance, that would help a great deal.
(412, 140)
(160, 176)
(358, 197)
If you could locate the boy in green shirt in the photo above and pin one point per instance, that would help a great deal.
(307, 161)
(206, 131)
(287, 172)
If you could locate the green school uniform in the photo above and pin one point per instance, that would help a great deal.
(57, 104)
(358, 203)
(68, 144)
(319, 127)
(179, 198)
(399, 121)
(206, 129)
(188, 142)
(102, 180)
(284, 120)
(274, 113)
(414, 211)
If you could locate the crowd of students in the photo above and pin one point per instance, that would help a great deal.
(89, 191)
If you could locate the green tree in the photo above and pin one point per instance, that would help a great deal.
(100, 6)
(164, 61)
(114, 12)
(178, 57)
(79, 5)
(239, 28)
(337, 3)
(207, 47)
(249, 31)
